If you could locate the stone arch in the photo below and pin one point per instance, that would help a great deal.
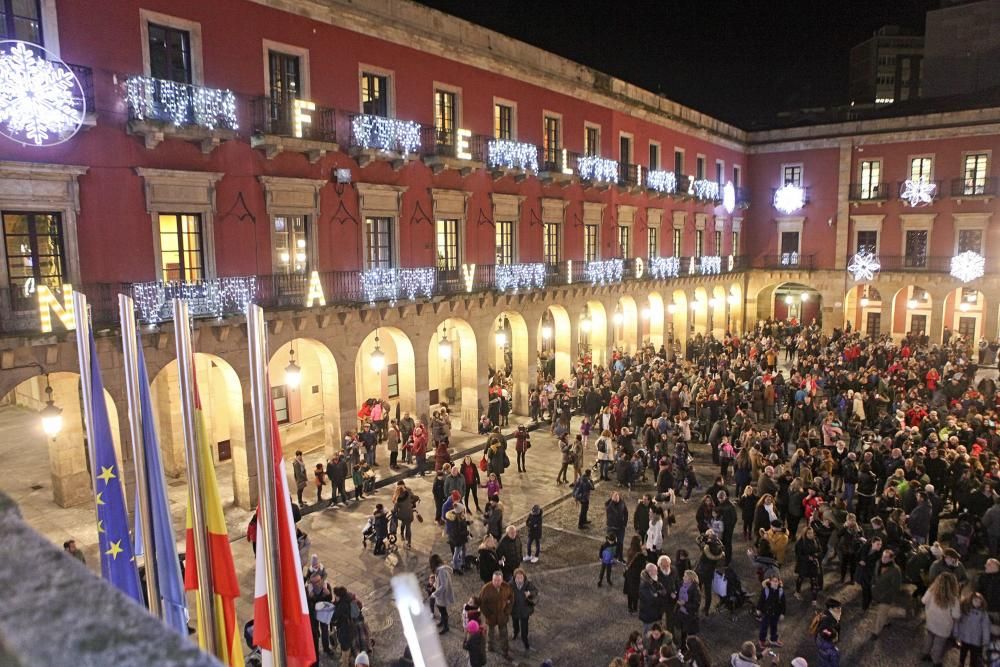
(459, 386)
(912, 309)
(965, 313)
(677, 322)
(311, 408)
(783, 301)
(597, 337)
(221, 393)
(627, 333)
(719, 312)
(68, 473)
(734, 301)
(554, 346)
(699, 311)
(861, 303)
(655, 320)
(513, 353)
(395, 381)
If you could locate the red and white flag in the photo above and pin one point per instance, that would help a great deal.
(299, 649)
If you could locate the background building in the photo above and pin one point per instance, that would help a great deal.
(886, 68)
(962, 48)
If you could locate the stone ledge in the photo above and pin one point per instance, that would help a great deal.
(54, 611)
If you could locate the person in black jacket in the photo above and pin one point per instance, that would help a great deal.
(336, 472)
(771, 607)
(651, 597)
(616, 514)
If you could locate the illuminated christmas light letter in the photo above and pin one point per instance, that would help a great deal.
(463, 150)
(565, 163)
(732, 262)
(315, 291)
(48, 304)
(468, 275)
(640, 267)
(691, 267)
(569, 271)
(299, 115)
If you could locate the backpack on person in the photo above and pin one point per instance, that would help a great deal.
(726, 451)
(815, 623)
(602, 446)
(578, 490)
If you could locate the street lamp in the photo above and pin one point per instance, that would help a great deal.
(911, 304)
(645, 312)
(50, 415)
(618, 317)
(671, 308)
(964, 306)
(444, 345)
(789, 300)
(501, 335)
(377, 357)
(804, 297)
(733, 300)
(547, 326)
(293, 374)
(864, 302)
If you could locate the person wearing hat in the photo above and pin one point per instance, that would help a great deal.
(475, 645)
(950, 561)
(828, 634)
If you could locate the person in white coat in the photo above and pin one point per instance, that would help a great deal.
(654, 534)
(942, 608)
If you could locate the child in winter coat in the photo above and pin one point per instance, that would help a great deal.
(534, 522)
(475, 644)
(492, 486)
(470, 612)
(771, 607)
(973, 630)
(607, 557)
(319, 476)
(357, 476)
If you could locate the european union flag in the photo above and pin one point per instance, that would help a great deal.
(117, 561)
(162, 564)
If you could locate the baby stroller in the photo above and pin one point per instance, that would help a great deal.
(734, 597)
(368, 533)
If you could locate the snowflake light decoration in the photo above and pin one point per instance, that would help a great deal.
(918, 192)
(41, 100)
(789, 198)
(968, 266)
(729, 197)
(863, 266)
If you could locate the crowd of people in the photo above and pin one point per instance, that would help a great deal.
(834, 454)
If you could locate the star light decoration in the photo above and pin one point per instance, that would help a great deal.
(661, 181)
(665, 267)
(605, 271)
(863, 266)
(207, 298)
(968, 266)
(729, 197)
(392, 284)
(918, 191)
(386, 134)
(41, 100)
(711, 266)
(515, 277)
(180, 103)
(789, 198)
(504, 154)
(593, 168)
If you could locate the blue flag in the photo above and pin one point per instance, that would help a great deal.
(165, 566)
(117, 561)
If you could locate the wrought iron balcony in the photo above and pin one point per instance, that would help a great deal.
(974, 187)
(85, 76)
(869, 192)
(291, 117)
(914, 262)
(180, 104)
(506, 154)
(452, 144)
(629, 174)
(742, 197)
(788, 260)
(559, 161)
(597, 169)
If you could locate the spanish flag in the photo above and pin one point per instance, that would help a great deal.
(225, 586)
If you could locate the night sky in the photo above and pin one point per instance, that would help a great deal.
(739, 61)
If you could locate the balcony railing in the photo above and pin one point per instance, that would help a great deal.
(788, 260)
(288, 116)
(628, 174)
(560, 161)
(869, 192)
(915, 262)
(180, 104)
(85, 76)
(974, 187)
(742, 197)
(450, 143)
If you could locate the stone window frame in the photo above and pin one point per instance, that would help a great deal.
(301, 52)
(503, 101)
(975, 221)
(590, 125)
(193, 28)
(35, 187)
(593, 214)
(554, 213)
(390, 75)
(185, 184)
(451, 204)
(654, 220)
(631, 138)
(626, 218)
(507, 208)
(294, 196)
(912, 222)
(789, 224)
(866, 223)
(377, 200)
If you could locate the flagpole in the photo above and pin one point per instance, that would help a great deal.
(144, 510)
(82, 314)
(267, 522)
(203, 559)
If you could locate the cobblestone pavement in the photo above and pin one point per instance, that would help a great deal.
(577, 623)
